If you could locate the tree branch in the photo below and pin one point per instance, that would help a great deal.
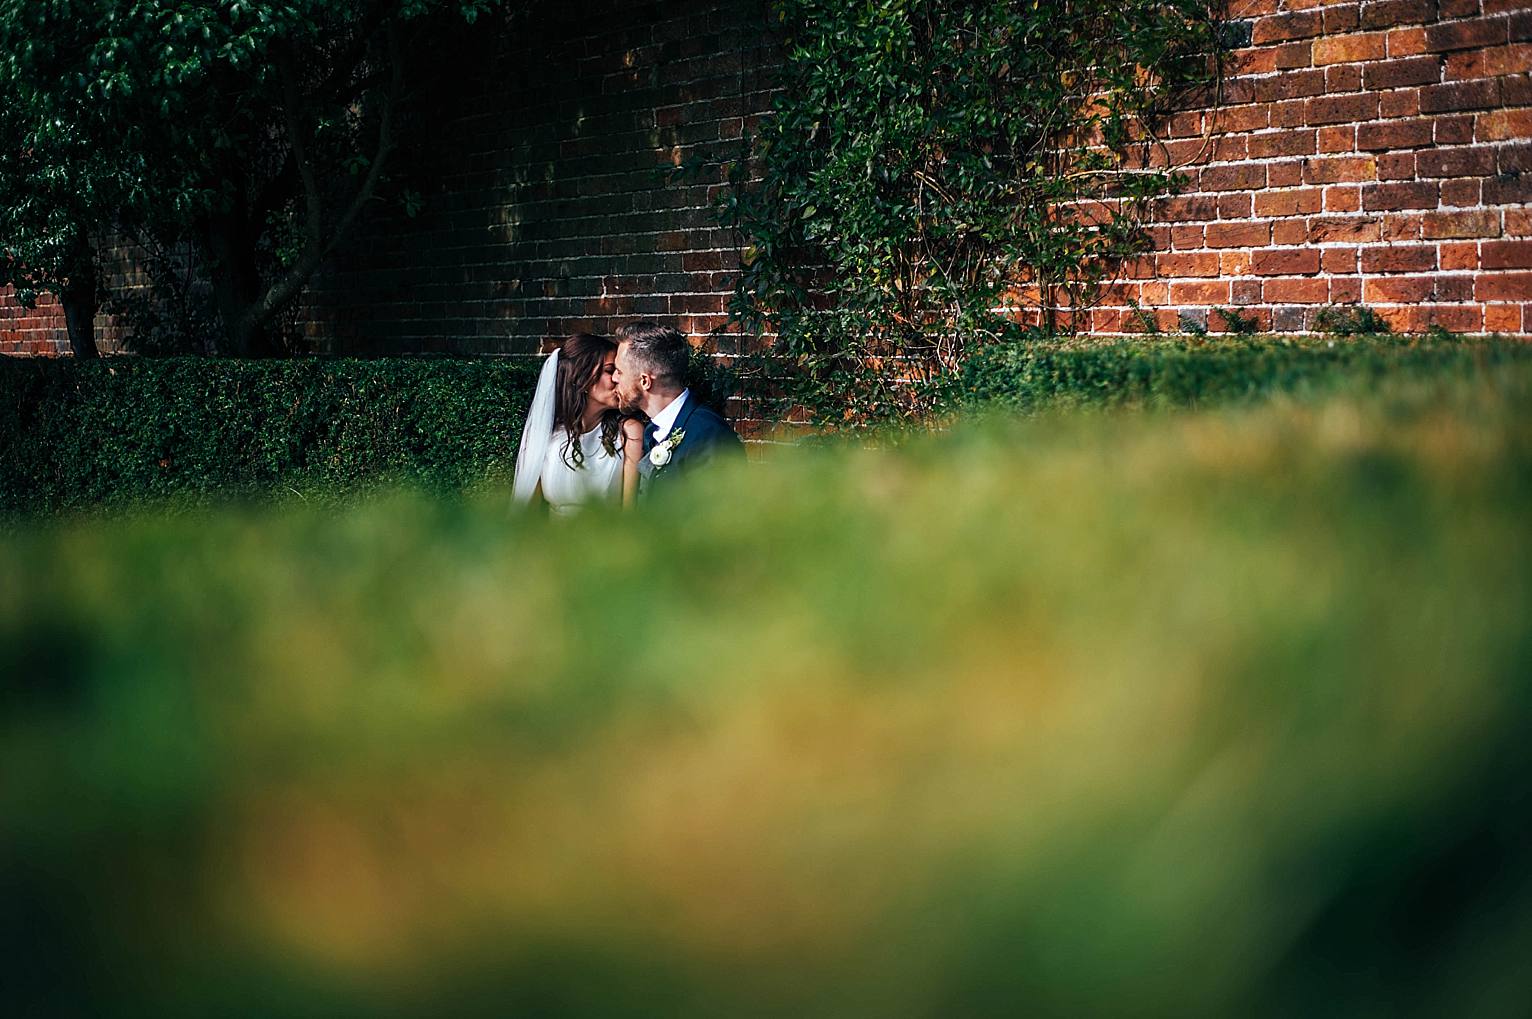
(289, 286)
(313, 207)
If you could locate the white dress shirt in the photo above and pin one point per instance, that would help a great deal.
(665, 420)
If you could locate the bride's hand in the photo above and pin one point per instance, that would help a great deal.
(632, 449)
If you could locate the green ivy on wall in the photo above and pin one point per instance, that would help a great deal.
(929, 161)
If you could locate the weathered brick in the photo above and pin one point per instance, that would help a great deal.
(1281, 143)
(1253, 61)
(1237, 235)
(1452, 317)
(1454, 130)
(1184, 125)
(1400, 73)
(1462, 192)
(1250, 117)
(1186, 208)
(1185, 238)
(1289, 203)
(1462, 35)
(1468, 162)
(1399, 258)
(1399, 103)
(1506, 255)
(1211, 292)
(1390, 13)
(1231, 148)
(1399, 289)
(1296, 291)
(1502, 318)
(1337, 109)
(1234, 205)
(1346, 49)
(1290, 320)
(1285, 173)
(1337, 138)
(1402, 226)
(1487, 63)
(1459, 255)
(1233, 178)
(1345, 290)
(1416, 195)
(1520, 26)
(1503, 286)
(1289, 232)
(1396, 166)
(1337, 260)
(1283, 27)
(1341, 18)
(1503, 124)
(1293, 55)
(1180, 264)
(1245, 291)
(1343, 78)
(1295, 145)
(1288, 113)
(1345, 229)
(1339, 169)
(1513, 159)
(1343, 198)
(1284, 262)
(1233, 263)
(1291, 85)
(1508, 189)
(1483, 93)
(1468, 223)
(1390, 135)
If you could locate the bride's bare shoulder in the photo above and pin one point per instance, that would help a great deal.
(632, 428)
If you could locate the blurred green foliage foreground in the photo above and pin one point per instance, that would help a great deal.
(1158, 714)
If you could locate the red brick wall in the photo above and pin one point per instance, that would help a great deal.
(37, 330)
(552, 213)
(1376, 153)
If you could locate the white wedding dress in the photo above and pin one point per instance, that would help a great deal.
(540, 460)
(599, 479)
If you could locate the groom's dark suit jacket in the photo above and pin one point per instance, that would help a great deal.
(708, 437)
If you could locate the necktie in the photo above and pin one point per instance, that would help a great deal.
(649, 433)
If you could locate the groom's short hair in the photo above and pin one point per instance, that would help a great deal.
(656, 349)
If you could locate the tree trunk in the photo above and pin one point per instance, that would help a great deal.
(79, 297)
(236, 286)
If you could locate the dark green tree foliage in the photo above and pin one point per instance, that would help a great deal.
(256, 131)
(927, 160)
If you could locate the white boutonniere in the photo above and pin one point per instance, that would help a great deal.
(661, 453)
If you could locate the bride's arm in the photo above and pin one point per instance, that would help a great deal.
(632, 449)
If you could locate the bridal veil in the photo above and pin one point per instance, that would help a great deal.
(537, 433)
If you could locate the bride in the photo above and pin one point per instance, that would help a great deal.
(577, 447)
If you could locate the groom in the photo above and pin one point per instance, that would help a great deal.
(651, 377)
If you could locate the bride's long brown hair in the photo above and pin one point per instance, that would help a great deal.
(580, 362)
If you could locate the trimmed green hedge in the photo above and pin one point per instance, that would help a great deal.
(1176, 372)
(119, 430)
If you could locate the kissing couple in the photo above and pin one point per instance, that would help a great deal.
(611, 419)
